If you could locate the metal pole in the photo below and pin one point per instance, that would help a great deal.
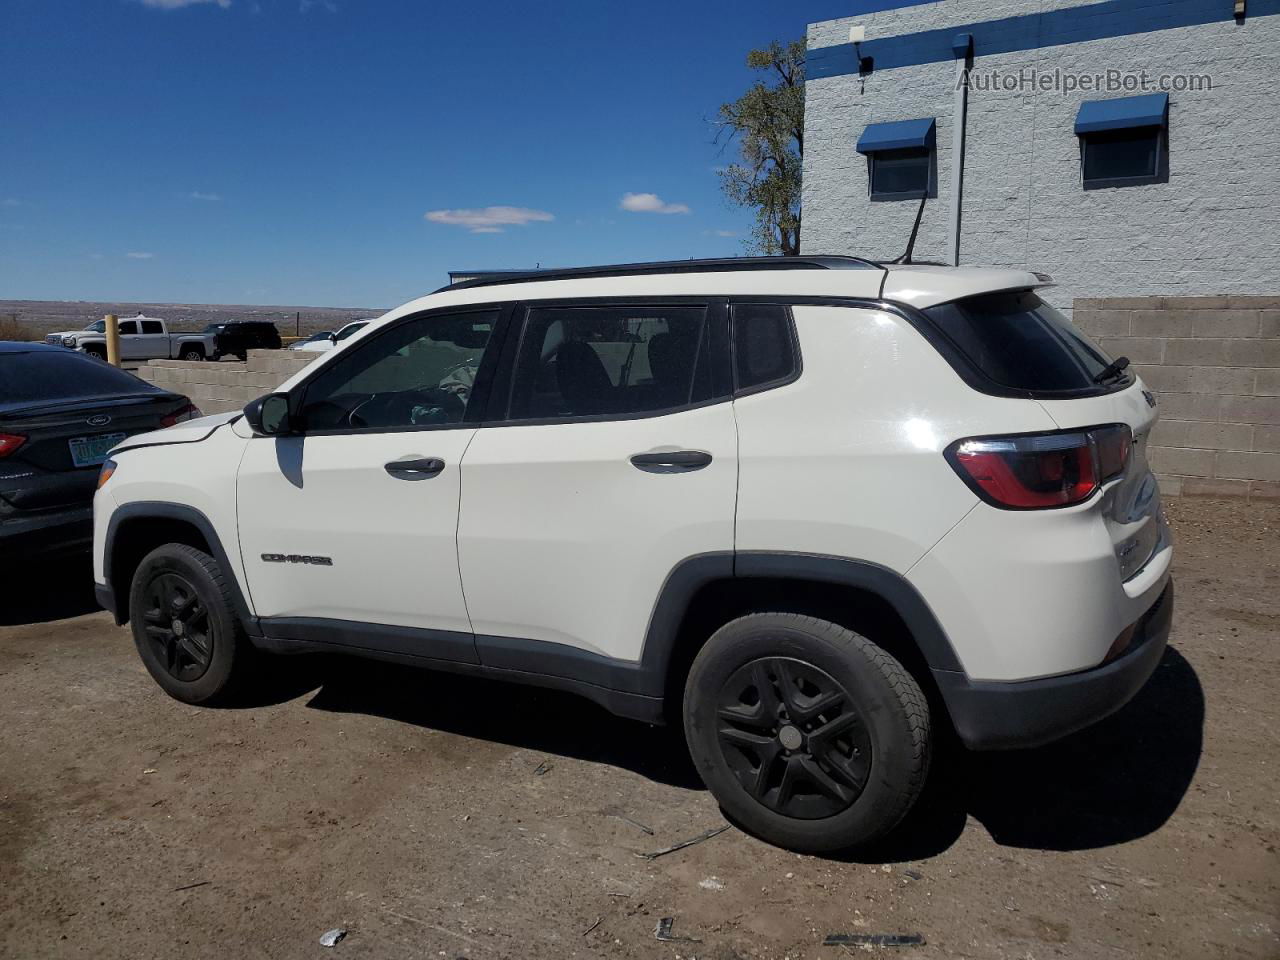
(962, 46)
(297, 324)
(113, 340)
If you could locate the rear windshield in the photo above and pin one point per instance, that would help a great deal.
(42, 376)
(1019, 341)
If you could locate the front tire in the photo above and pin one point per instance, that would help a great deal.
(185, 627)
(808, 735)
(191, 353)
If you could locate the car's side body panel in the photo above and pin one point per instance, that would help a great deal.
(847, 461)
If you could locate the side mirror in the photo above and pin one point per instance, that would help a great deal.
(333, 338)
(269, 415)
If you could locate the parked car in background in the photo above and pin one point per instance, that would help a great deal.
(322, 335)
(238, 337)
(333, 339)
(141, 338)
(816, 509)
(60, 412)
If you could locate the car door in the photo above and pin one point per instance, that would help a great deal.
(616, 460)
(129, 336)
(151, 341)
(348, 529)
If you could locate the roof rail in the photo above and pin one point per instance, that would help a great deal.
(720, 265)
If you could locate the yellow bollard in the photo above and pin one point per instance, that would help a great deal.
(113, 340)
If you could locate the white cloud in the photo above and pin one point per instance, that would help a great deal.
(178, 4)
(95, 256)
(10, 202)
(719, 233)
(305, 5)
(139, 256)
(197, 195)
(649, 203)
(488, 219)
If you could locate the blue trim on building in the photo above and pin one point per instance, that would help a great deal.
(1095, 21)
(897, 135)
(1151, 110)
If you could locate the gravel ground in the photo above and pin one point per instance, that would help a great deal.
(433, 816)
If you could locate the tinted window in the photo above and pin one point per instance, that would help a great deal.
(1132, 155)
(40, 375)
(419, 373)
(900, 174)
(152, 326)
(763, 349)
(128, 326)
(592, 361)
(1020, 341)
(350, 330)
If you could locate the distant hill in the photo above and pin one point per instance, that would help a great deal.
(45, 316)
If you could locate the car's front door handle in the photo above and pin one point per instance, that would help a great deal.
(672, 461)
(415, 468)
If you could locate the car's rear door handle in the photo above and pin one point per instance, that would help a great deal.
(672, 461)
(415, 468)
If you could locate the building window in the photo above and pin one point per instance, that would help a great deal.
(900, 159)
(1124, 142)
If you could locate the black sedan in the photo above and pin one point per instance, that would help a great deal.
(60, 412)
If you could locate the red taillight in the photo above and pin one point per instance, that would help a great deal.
(10, 442)
(189, 412)
(1042, 470)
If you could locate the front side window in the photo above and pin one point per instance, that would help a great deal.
(417, 374)
(603, 361)
(128, 326)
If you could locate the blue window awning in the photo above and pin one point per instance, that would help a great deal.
(1151, 110)
(897, 135)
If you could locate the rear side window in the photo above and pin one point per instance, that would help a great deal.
(763, 347)
(602, 361)
(63, 375)
(152, 326)
(1019, 341)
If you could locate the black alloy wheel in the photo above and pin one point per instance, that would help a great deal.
(793, 738)
(177, 626)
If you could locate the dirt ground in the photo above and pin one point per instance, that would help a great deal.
(433, 816)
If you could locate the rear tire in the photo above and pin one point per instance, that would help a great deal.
(182, 614)
(808, 735)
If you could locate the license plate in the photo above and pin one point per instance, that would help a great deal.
(91, 451)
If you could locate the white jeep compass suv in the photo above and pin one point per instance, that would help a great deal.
(815, 509)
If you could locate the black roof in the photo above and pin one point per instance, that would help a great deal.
(719, 265)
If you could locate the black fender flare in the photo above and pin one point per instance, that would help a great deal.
(159, 510)
(696, 572)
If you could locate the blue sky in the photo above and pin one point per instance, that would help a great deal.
(346, 152)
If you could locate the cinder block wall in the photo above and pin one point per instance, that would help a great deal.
(1214, 365)
(217, 387)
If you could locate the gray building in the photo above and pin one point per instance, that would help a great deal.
(1129, 148)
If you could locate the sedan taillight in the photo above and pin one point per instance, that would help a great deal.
(189, 412)
(1035, 471)
(9, 442)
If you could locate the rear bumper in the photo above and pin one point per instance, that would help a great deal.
(999, 716)
(46, 532)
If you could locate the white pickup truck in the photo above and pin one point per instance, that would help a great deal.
(141, 338)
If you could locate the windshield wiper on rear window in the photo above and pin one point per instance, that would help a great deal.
(1112, 370)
